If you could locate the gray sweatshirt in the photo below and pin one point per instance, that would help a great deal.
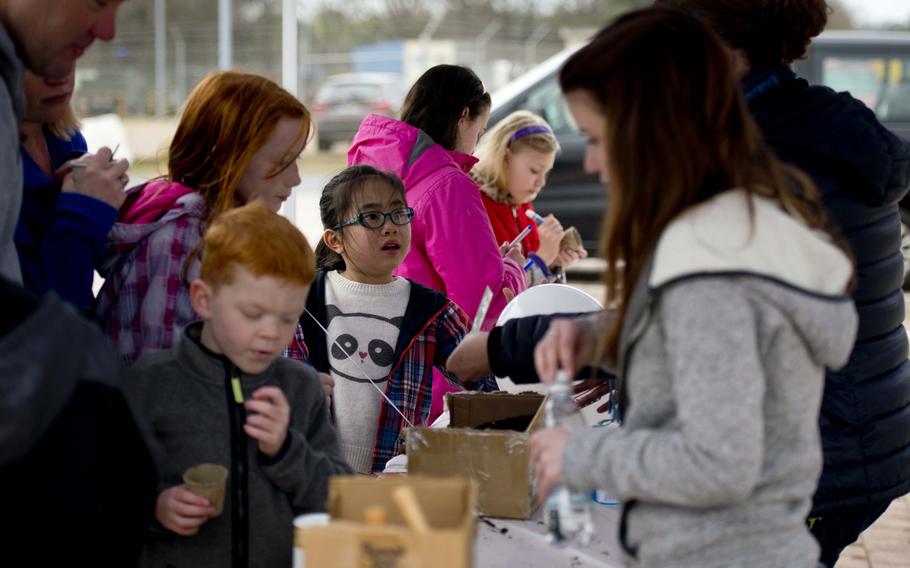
(12, 107)
(722, 360)
(184, 396)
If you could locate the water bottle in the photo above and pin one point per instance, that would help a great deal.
(567, 514)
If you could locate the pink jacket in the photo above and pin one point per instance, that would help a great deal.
(453, 249)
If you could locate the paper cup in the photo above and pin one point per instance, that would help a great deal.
(300, 523)
(208, 480)
(571, 240)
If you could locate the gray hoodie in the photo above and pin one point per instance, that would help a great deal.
(722, 360)
(12, 107)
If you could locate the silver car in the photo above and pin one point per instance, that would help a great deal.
(343, 100)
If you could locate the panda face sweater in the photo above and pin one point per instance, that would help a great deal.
(363, 321)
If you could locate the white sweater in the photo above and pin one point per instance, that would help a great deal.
(363, 321)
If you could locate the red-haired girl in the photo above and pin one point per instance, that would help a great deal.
(238, 140)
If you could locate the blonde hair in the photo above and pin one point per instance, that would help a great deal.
(490, 173)
(260, 240)
(66, 126)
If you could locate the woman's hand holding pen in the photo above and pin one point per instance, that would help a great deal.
(97, 175)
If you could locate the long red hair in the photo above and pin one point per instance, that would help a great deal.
(227, 118)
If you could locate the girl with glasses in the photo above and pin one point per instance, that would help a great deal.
(431, 149)
(365, 325)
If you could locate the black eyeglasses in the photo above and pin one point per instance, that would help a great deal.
(376, 220)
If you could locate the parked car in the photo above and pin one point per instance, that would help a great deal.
(343, 100)
(873, 66)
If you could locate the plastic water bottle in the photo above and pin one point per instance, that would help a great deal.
(567, 514)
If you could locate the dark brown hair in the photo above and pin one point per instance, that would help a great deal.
(678, 132)
(339, 201)
(770, 32)
(435, 102)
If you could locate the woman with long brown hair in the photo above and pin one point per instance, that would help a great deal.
(862, 172)
(238, 140)
(730, 302)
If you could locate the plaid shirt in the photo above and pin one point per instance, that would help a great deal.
(433, 326)
(145, 301)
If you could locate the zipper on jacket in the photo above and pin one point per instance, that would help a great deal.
(518, 226)
(240, 520)
(630, 550)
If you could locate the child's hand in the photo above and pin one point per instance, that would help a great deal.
(328, 385)
(268, 419)
(470, 360)
(567, 258)
(181, 511)
(551, 233)
(512, 252)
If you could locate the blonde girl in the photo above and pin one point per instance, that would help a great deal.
(515, 157)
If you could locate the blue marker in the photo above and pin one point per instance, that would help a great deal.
(534, 216)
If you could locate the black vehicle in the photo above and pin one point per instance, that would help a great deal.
(873, 66)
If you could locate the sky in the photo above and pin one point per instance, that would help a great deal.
(878, 11)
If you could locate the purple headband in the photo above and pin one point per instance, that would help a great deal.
(539, 129)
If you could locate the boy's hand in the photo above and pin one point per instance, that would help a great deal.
(328, 385)
(267, 420)
(181, 511)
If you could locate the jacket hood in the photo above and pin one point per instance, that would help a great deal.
(155, 199)
(404, 150)
(123, 237)
(67, 349)
(835, 128)
(779, 258)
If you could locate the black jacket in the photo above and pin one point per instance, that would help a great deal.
(862, 171)
(77, 482)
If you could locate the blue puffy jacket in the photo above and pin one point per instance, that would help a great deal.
(862, 171)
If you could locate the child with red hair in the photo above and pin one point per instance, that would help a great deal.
(224, 395)
(238, 140)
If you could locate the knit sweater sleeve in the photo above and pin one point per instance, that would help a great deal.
(713, 454)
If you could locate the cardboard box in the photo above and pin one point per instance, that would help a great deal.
(447, 503)
(498, 460)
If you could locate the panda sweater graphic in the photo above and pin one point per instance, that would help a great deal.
(363, 321)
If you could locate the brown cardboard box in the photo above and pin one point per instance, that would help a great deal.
(497, 459)
(447, 503)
